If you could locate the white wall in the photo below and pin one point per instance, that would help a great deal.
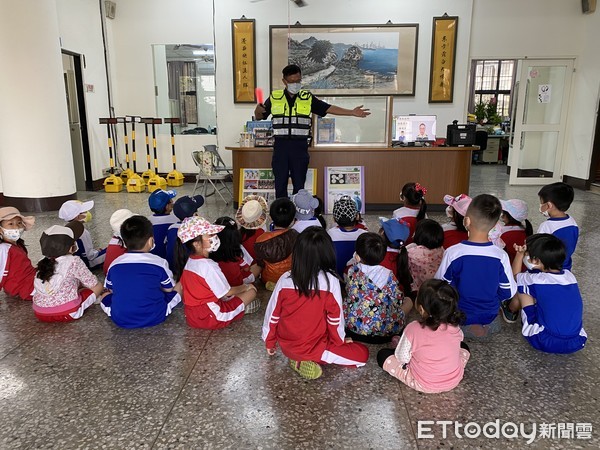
(548, 29)
(232, 117)
(487, 29)
(81, 32)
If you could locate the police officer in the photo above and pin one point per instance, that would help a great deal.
(291, 109)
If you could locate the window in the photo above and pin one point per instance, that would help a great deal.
(492, 79)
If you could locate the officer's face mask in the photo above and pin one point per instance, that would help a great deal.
(294, 88)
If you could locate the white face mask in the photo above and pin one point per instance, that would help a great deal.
(75, 248)
(450, 212)
(215, 243)
(294, 88)
(544, 213)
(527, 262)
(12, 235)
(153, 245)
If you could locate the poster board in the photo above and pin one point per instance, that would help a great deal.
(344, 180)
(262, 182)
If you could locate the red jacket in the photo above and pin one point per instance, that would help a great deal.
(303, 326)
(18, 274)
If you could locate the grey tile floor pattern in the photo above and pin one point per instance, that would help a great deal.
(89, 384)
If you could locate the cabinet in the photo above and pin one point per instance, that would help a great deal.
(490, 154)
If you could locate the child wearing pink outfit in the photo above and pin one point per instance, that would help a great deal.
(426, 252)
(430, 356)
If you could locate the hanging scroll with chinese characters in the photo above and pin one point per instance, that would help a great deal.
(244, 64)
(443, 57)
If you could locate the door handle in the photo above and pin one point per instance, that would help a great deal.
(513, 112)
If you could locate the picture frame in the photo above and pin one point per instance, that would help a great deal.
(347, 60)
(243, 38)
(443, 59)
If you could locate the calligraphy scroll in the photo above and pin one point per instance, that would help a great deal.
(443, 57)
(244, 64)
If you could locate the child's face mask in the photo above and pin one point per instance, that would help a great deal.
(215, 243)
(450, 212)
(529, 264)
(544, 213)
(12, 234)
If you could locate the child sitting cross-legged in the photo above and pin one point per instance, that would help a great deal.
(230, 256)
(374, 307)
(345, 234)
(430, 356)
(479, 270)
(116, 247)
(305, 205)
(549, 298)
(64, 286)
(142, 288)
(208, 299)
(304, 315)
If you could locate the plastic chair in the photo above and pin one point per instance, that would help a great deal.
(220, 165)
(207, 174)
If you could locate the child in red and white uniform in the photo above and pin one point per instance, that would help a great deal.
(430, 356)
(305, 313)
(16, 271)
(209, 301)
(230, 255)
(516, 228)
(454, 230)
(116, 246)
(414, 208)
(251, 216)
(64, 286)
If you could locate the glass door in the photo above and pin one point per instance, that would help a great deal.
(538, 121)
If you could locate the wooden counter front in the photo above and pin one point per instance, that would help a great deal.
(442, 170)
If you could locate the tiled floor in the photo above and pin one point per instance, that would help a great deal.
(91, 385)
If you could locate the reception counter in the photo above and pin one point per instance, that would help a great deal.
(442, 170)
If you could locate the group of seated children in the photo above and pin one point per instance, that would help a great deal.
(330, 287)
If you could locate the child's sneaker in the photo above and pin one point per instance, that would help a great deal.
(307, 369)
(253, 306)
(507, 314)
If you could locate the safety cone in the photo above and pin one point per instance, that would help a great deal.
(135, 183)
(174, 177)
(155, 181)
(112, 183)
(127, 172)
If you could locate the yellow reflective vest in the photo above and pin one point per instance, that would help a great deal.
(294, 123)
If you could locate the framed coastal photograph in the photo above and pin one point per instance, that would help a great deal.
(347, 59)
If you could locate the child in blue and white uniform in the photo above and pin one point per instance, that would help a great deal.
(183, 208)
(479, 270)
(305, 205)
(142, 288)
(161, 204)
(555, 200)
(345, 234)
(552, 307)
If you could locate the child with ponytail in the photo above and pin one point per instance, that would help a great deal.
(64, 286)
(430, 356)
(395, 232)
(415, 207)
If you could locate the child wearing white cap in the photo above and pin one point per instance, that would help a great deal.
(16, 271)
(64, 286)
(74, 210)
(116, 246)
(209, 301)
(516, 228)
(251, 216)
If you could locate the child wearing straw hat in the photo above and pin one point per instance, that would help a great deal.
(209, 301)
(64, 286)
(16, 271)
(251, 216)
